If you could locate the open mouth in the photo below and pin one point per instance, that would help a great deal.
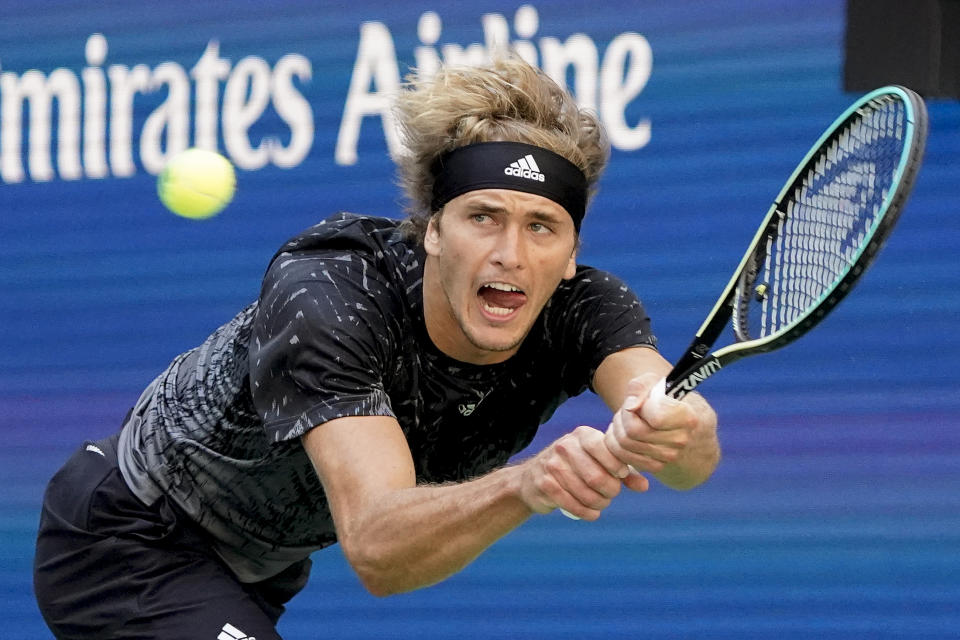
(501, 299)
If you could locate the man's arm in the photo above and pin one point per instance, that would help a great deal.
(674, 440)
(400, 536)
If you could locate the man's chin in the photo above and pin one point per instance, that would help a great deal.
(498, 344)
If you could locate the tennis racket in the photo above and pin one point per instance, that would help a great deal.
(820, 235)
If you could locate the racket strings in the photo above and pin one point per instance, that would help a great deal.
(825, 223)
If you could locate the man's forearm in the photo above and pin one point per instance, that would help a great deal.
(399, 536)
(417, 536)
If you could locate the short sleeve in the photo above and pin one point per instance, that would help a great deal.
(321, 340)
(590, 317)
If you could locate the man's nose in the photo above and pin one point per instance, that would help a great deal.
(510, 252)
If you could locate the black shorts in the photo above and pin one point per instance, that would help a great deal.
(109, 566)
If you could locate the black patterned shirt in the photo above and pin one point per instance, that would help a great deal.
(337, 331)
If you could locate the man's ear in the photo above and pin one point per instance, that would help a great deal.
(571, 269)
(431, 239)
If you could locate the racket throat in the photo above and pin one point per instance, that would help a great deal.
(690, 372)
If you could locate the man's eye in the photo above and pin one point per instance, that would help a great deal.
(538, 227)
(480, 217)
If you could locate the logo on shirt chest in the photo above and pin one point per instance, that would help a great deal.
(469, 407)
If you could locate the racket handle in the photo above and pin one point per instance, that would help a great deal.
(657, 393)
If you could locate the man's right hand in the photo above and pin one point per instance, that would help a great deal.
(577, 473)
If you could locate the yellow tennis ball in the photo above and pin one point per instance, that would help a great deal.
(197, 184)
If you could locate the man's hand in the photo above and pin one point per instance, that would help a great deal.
(578, 474)
(674, 440)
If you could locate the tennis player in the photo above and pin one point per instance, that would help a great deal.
(374, 392)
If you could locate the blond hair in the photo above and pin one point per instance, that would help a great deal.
(509, 100)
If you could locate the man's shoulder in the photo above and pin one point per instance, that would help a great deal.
(590, 280)
(591, 298)
(345, 231)
(378, 244)
(370, 255)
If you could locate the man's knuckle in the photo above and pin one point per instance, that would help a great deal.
(611, 490)
(634, 430)
(552, 466)
(615, 448)
(549, 487)
(595, 478)
(599, 503)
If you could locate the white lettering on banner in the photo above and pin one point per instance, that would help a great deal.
(207, 73)
(95, 123)
(293, 109)
(172, 117)
(376, 62)
(607, 87)
(108, 95)
(94, 109)
(250, 77)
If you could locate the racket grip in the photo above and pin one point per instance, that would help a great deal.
(657, 395)
(568, 514)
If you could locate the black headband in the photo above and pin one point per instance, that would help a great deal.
(510, 165)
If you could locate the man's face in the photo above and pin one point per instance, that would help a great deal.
(494, 258)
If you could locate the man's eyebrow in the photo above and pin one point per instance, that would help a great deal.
(545, 216)
(536, 214)
(486, 207)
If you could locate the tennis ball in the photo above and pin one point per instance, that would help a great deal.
(197, 184)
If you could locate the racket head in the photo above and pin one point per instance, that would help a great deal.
(830, 219)
(822, 232)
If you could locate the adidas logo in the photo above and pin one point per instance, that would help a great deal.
(525, 167)
(468, 408)
(230, 632)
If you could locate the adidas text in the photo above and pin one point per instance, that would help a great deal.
(524, 173)
(525, 167)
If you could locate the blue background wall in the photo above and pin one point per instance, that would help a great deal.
(836, 510)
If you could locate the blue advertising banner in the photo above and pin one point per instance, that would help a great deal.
(836, 508)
